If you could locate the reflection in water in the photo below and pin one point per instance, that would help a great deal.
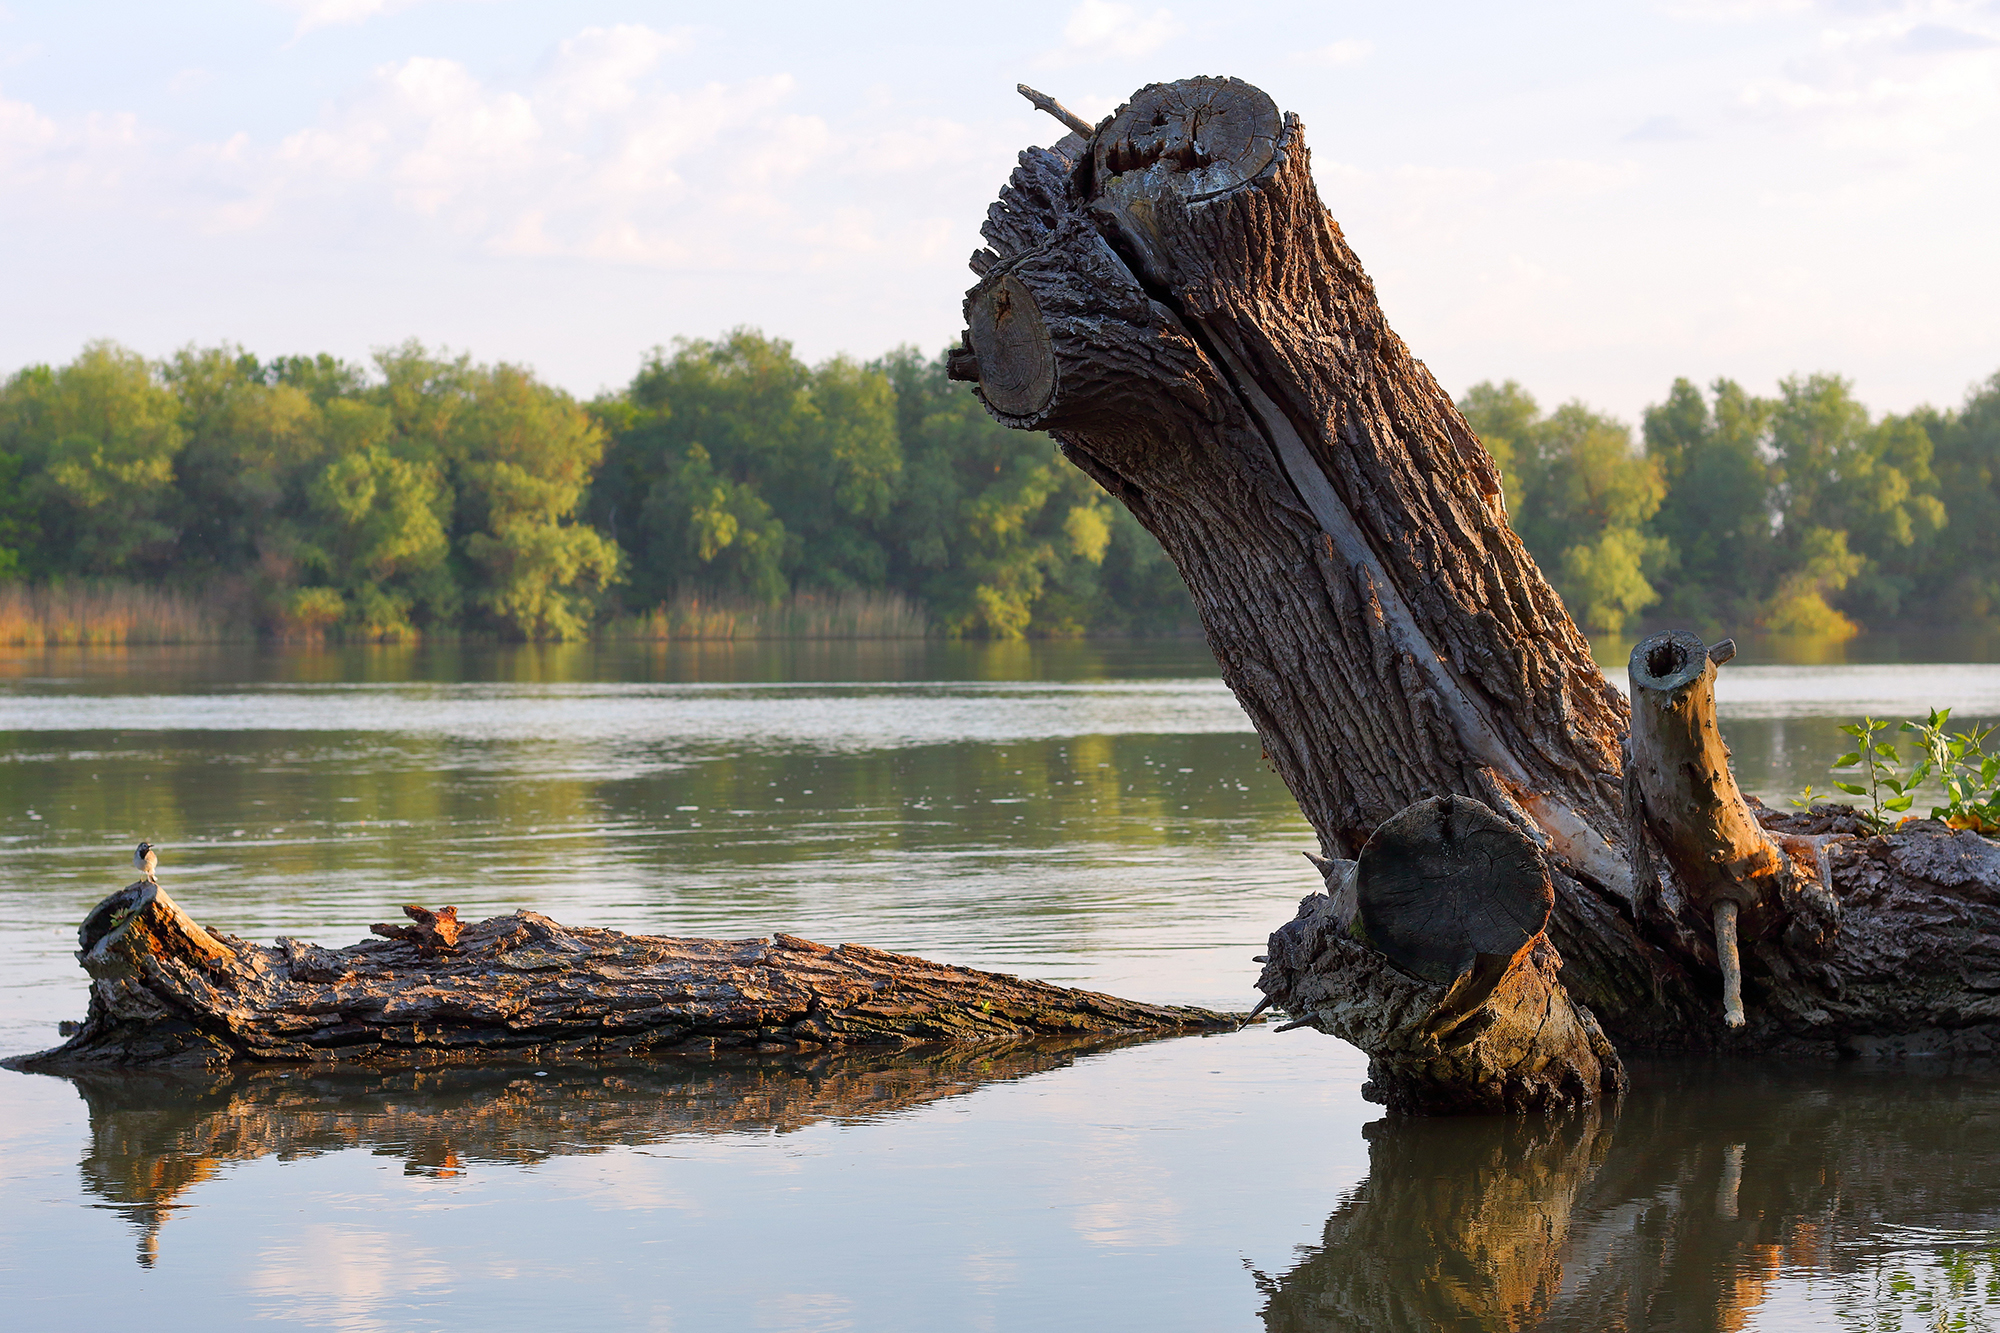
(1681, 1210)
(155, 1136)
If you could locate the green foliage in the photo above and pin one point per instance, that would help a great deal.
(1957, 762)
(1968, 776)
(1580, 498)
(1878, 762)
(1716, 515)
(1795, 514)
(430, 492)
(737, 472)
(425, 492)
(97, 442)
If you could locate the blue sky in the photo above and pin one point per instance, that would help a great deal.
(1590, 198)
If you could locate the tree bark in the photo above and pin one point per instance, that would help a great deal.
(1432, 956)
(166, 992)
(1169, 298)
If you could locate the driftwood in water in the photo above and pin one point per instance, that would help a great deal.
(1166, 294)
(1431, 955)
(156, 1136)
(164, 991)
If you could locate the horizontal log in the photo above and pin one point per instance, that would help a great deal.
(165, 991)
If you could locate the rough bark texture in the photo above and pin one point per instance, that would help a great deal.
(1200, 339)
(1481, 1027)
(156, 1136)
(164, 991)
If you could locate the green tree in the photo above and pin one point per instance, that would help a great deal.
(1580, 498)
(248, 444)
(522, 455)
(1871, 484)
(97, 442)
(1958, 572)
(997, 533)
(1718, 513)
(816, 447)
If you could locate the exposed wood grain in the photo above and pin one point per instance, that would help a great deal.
(1429, 954)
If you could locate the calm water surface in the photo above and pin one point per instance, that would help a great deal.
(1090, 814)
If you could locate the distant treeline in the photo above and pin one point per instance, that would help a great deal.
(1795, 514)
(733, 489)
(730, 489)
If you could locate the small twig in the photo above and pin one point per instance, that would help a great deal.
(1722, 651)
(1297, 1023)
(1043, 102)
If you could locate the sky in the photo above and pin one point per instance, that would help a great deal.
(1589, 198)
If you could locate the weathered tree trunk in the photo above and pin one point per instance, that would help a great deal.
(1752, 883)
(164, 991)
(1168, 296)
(1431, 955)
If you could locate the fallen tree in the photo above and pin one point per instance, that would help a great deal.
(166, 992)
(1165, 293)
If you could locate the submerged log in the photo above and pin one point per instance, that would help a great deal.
(164, 991)
(1166, 294)
(1431, 954)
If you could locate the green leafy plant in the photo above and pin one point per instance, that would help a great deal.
(1878, 762)
(1957, 761)
(1969, 776)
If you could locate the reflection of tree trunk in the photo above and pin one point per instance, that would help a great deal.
(1167, 295)
(165, 991)
(1673, 1211)
(1461, 1225)
(156, 1136)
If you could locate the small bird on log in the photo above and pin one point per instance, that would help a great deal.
(146, 858)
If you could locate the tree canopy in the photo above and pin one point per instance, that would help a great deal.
(425, 492)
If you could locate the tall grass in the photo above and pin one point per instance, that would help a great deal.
(86, 614)
(846, 615)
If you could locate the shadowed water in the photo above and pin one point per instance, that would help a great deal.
(1091, 814)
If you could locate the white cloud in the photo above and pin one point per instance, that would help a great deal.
(1894, 83)
(334, 13)
(1348, 51)
(1733, 11)
(1100, 30)
(607, 152)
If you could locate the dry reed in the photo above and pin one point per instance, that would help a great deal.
(90, 614)
(846, 615)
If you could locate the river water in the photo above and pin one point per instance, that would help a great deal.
(1091, 814)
